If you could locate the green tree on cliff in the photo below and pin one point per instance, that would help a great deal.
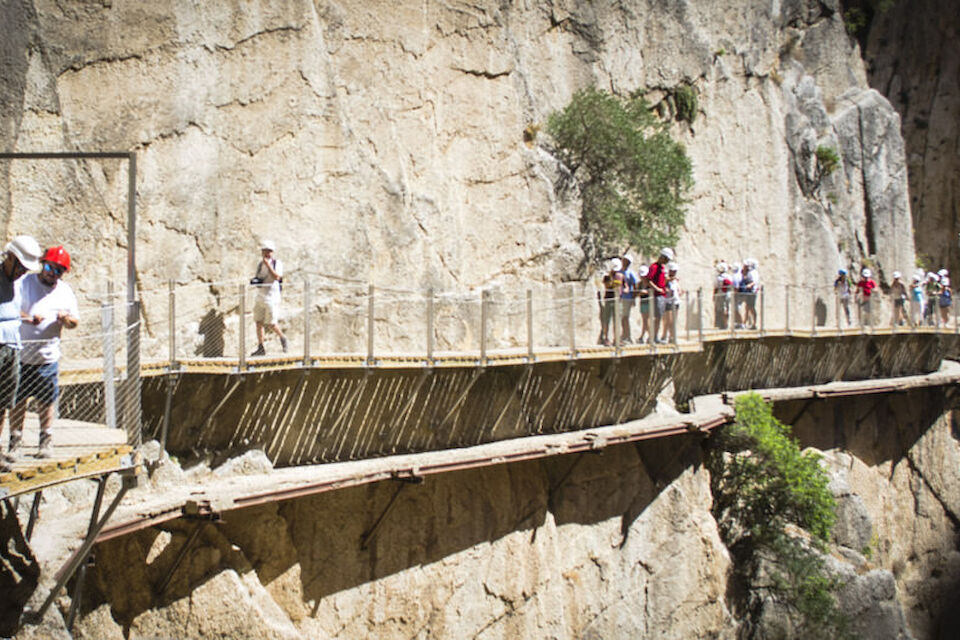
(633, 177)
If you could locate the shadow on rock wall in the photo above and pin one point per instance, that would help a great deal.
(308, 549)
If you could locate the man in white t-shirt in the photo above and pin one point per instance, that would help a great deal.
(48, 304)
(266, 308)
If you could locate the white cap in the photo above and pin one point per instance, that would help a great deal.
(615, 264)
(26, 250)
(896, 274)
(628, 258)
(672, 266)
(667, 253)
(267, 245)
(643, 271)
(866, 273)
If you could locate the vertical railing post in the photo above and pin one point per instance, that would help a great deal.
(686, 311)
(530, 349)
(484, 303)
(700, 315)
(109, 363)
(307, 293)
(786, 304)
(430, 316)
(732, 312)
(673, 322)
(956, 324)
(172, 303)
(370, 324)
(573, 320)
(761, 291)
(616, 324)
(131, 410)
(813, 312)
(242, 333)
(836, 306)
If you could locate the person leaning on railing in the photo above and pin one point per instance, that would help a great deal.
(22, 254)
(49, 304)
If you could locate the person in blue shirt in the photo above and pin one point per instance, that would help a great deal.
(627, 295)
(22, 254)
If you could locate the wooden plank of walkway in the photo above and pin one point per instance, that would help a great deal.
(81, 449)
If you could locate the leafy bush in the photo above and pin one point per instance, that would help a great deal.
(763, 487)
(633, 177)
(687, 104)
(827, 160)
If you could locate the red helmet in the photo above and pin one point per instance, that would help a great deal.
(57, 255)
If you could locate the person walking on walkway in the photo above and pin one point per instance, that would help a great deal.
(49, 304)
(627, 296)
(643, 293)
(657, 277)
(266, 308)
(612, 286)
(865, 287)
(898, 291)
(843, 288)
(22, 254)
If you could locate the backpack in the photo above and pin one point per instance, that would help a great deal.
(946, 298)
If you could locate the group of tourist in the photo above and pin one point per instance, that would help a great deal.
(735, 289)
(656, 287)
(929, 294)
(35, 304)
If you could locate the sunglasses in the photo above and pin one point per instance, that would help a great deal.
(54, 269)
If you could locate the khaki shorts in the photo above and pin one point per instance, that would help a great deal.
(265, 312)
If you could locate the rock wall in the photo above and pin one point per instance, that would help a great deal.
(612, 545)
(912, 60)
(384, 141)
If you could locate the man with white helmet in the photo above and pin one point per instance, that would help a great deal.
(22, 254)
(865, 288)
(946, 296)
(266, 308)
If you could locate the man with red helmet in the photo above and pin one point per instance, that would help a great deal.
(48, 305)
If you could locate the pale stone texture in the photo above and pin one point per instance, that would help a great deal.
(391, 150)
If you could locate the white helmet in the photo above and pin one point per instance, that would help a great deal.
(751, 262)
(643, 271)
(672, 266)
(667, 253)
(267, 245)
(722, 267)
(735, 267)
(896, 275)
(628, 258)
(866, 273)
(26, 250)
(932, 276)
(943, 272)
(616, 264)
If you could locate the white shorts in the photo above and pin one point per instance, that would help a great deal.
(266, 311)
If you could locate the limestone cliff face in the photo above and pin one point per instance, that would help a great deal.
(384, 140)
(617, 545)
(913, 61)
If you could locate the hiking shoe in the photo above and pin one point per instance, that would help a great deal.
(283, 344)
(46, 445)
(259, 351)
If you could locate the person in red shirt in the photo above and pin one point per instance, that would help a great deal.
(657, 277)
(865, 287)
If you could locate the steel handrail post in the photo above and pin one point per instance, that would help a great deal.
(530, 355)
(686, 295)
(307, 361)
(172, 309)
(616, 323)
(700, 315)
(484, 302)
(242, 337)
(813, 312)
(370, 323)
(786, 322)
(573, 320)
(430, 316)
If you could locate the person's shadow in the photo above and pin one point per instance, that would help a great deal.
(211, 328)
